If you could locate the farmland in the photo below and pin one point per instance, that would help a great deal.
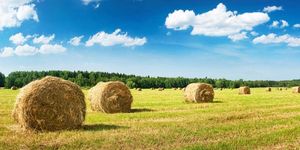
(162, 120)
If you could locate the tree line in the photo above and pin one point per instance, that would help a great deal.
(89, 79)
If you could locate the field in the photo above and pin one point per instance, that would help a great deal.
(162, 120)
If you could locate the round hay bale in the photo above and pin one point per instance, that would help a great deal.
(268, 89)
(296, 89)
(50, 104)
(161, 89)
(199, 92)
(244, 90)
(139, 89)
(111, 97)
(13, 88)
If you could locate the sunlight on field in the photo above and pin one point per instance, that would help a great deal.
(162, 120)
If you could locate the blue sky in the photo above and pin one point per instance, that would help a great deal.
(251, 39)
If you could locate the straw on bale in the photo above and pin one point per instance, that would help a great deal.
(111, 97)
(13, 88)
(50, 104)
(199, 92)
(296, 89)
(268, 89)
(244, 90)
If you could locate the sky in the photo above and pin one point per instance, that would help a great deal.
(249, 39)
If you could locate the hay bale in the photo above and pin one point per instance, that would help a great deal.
(268, 89)
(139, 89)
(13, 88)
(111, 97)
(50, 104)
(296, 89)
(161, 89)
(199, 92)
(244, 90)
(280, 89)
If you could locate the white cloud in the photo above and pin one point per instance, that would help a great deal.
(275, 24)
(275, 39)
(296, 25)
(19, 39)
(75, 41)
(87, 2)
(284, 24)
(217, 22)
(115, 38)
(14, 12)
(26, 50)
(253, 33)
(180, 20)
(52, 49)
(43, 39)
(269, 9)
(7, 52)
(27, 12)
(279, 24)
(238, 36)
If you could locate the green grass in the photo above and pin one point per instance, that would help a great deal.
(162, 120)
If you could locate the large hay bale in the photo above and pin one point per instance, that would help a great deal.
(244, 90)
(296, 89)
(50, 104)
(199, 92)
(268, 89)
(111, 97)
(13, 88)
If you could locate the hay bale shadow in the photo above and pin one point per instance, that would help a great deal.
(100, 127)
(137, 110)
(217, 102)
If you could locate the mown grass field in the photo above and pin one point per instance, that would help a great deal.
(162, 120)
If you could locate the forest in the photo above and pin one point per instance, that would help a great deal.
(89, 79)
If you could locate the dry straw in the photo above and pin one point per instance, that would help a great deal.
(244, 90)
(199, 92)
(13, 88)
(50, 104)
(111, 97)
(268, 89)
(296, 89)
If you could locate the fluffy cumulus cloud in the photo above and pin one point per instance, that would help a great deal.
(217, 22)
(279, 24)
(40, 46)
(14, 12)
(7, 52)
(25, 50)
(19, 38)
(43, 39)
(75, 41)
(277, 39)
(269, 9)
(115, 38)
(296, 25)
